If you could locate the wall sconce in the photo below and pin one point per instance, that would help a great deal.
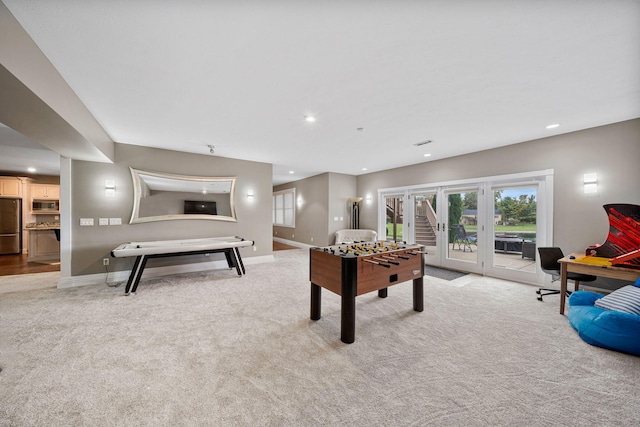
(250, 193)
(300, 201)
(367, 198)
(109, 188)
(590, 183)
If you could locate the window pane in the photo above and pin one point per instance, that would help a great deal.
(288, 201)
(515, 230)
(284, 208)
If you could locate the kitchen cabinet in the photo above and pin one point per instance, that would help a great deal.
(11, 187)
(43, 245)
(45, 191)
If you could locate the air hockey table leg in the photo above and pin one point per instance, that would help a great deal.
(136, 274)
(236, 251)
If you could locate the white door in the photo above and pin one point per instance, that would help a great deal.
(460, 232)
(515, 231)
(426, 224)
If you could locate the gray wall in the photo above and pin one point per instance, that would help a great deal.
(341, 188)
(323, 197)
(613, 151)
(89, 245)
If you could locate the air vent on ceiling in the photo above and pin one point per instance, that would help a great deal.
(418, 144)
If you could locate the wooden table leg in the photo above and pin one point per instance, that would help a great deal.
(348, 315)
(563, 285)
(418, 294)
(316, 296)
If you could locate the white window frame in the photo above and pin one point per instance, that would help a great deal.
(280, 210)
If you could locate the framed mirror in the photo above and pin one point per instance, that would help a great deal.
(162, 196)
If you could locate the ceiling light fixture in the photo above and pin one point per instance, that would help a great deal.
(291, 172)
(418, 144)
(31, 169)
(553, 126)
(364, 169)
(309, 119)
(427, 155)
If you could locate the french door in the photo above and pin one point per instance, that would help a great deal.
(394, 217)
(490, 226)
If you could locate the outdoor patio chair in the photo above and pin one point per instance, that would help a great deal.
(461, 238)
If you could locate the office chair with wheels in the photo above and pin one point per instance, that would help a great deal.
(549, 263)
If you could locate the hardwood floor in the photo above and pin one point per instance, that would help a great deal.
(277, 246)
(17, 264)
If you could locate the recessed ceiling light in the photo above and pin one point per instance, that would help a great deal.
(427, 155)
(309, 119)
(31, 170)
(364, 169)
(553, 126)
(291, 172)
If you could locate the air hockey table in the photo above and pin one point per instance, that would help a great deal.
(143, 251)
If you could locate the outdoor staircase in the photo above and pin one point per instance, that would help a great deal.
(424, 232)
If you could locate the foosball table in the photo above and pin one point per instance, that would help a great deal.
(359, 268)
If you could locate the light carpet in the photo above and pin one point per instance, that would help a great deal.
(214, 349)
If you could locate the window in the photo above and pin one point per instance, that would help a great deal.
(284, 212)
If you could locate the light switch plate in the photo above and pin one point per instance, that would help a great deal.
(115, 221)
(86, 221)
(103, 221)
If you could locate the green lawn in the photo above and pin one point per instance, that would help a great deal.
(398, 231)
(506, 228)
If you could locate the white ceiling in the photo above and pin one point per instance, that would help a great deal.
(241, 75)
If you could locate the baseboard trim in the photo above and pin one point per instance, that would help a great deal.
(123, 276)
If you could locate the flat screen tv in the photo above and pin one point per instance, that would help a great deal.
(200, 207)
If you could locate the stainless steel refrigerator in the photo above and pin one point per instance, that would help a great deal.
(10, 229)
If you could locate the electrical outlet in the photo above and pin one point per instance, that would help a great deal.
(255, 248)
(105, 261)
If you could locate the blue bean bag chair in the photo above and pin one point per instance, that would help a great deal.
(611, 321)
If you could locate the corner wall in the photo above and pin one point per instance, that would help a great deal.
(320, 199)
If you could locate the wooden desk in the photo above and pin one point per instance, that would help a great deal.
(568, 265)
